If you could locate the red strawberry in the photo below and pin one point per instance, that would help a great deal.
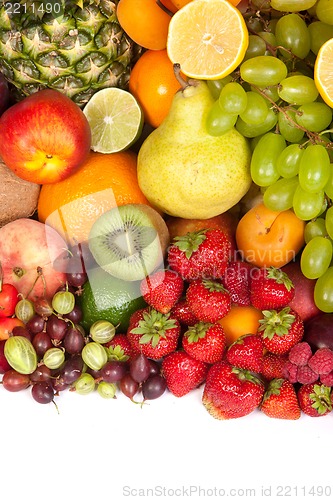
(271, 288)
(183, 373)
(208, 300)
(152, 333)
(200, 254)
(237, 279)
(183, 313)
(119, 348)
(231, 392)
(315, 399)
(247, 352)
(281, 329)
(280, 400)
(205, 341)
(162, 289)
(273, 365)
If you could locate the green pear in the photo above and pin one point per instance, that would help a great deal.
(185, 172)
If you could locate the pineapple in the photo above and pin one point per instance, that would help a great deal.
(76, 47)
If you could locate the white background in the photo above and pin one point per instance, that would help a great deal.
(106, 449)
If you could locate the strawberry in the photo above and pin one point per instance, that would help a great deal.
(315, 399)
(273, 365)
(183, 373)
(281, 329)
(247, 352)
(205, 341)
(280, 400)
(237, 279)
(152, 333)
(162, 289)
(183, 313)
(208, 300)
(231, 392)
(200, 254)
(119, 348)
(271, 288)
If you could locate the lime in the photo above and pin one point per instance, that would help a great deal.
(115, 119)
(109, 298)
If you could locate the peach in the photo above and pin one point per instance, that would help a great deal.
(28, 255)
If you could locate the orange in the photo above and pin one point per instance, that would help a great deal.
(169, 5)
(207, 38)
(268, 238)
(145, 22)
(153, 84)
(241, 320)
(103, 182)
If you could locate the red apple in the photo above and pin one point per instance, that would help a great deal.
(45, 137)
(303, 301)
(29, 255)
(4, 94)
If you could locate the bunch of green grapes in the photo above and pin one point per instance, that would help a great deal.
(272, 99)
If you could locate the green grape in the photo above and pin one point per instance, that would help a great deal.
(329, 222)
(249, 130)
(316, 257)
(306, 205)
(254, 24)
(263, 161)
(218, 122)
(233, 98)
(215, 86)
(292, 33)
(320, 32)
(323, 291)
(316, 227)
(325, 138)
(279, 196)
(291, 5)
(261, 4)
(329, 185)
(269, 38)
(298, 89)
(314, 116)
(256, 109)
(324, 11)
(271, 92)
(256, 47)
(263, 71)
(288, 127)
(288, 161)
(314, 168)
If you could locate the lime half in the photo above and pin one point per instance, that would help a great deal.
(115, 119)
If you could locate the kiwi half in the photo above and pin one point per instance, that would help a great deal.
(130, 241)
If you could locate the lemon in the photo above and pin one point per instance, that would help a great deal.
(109, 298)
(323, 71)
(115, 119)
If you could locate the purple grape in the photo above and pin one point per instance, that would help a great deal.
(113, 371)
(75, 315)
(35, 324)
(42, 392)
(41, 343)
(74, 340)
(56, 328)
(128, 386)
(153, 387)
(140, 368)
(72, 369)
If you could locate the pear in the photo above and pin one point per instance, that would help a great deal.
(185, 172)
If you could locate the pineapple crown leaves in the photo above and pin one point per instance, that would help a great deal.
(116, 353)
(190, 242)
(280, 277)
(246, 375)
(321, 397)
(197, 331)
(276, 322)
(153, 326)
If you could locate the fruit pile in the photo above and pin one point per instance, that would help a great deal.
(181, 235)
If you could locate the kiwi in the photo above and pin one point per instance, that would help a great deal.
(130, 241)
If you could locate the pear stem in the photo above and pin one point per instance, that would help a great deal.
(182, 82)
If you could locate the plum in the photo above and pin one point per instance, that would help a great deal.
(318, 331)
(4, 94)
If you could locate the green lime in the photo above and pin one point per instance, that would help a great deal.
(115, 119)
(109, 298)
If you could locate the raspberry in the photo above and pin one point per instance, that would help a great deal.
(300, 354)
(290, 372)
(272, 365)
(322, 361)
(305, 375)
(327, 379)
